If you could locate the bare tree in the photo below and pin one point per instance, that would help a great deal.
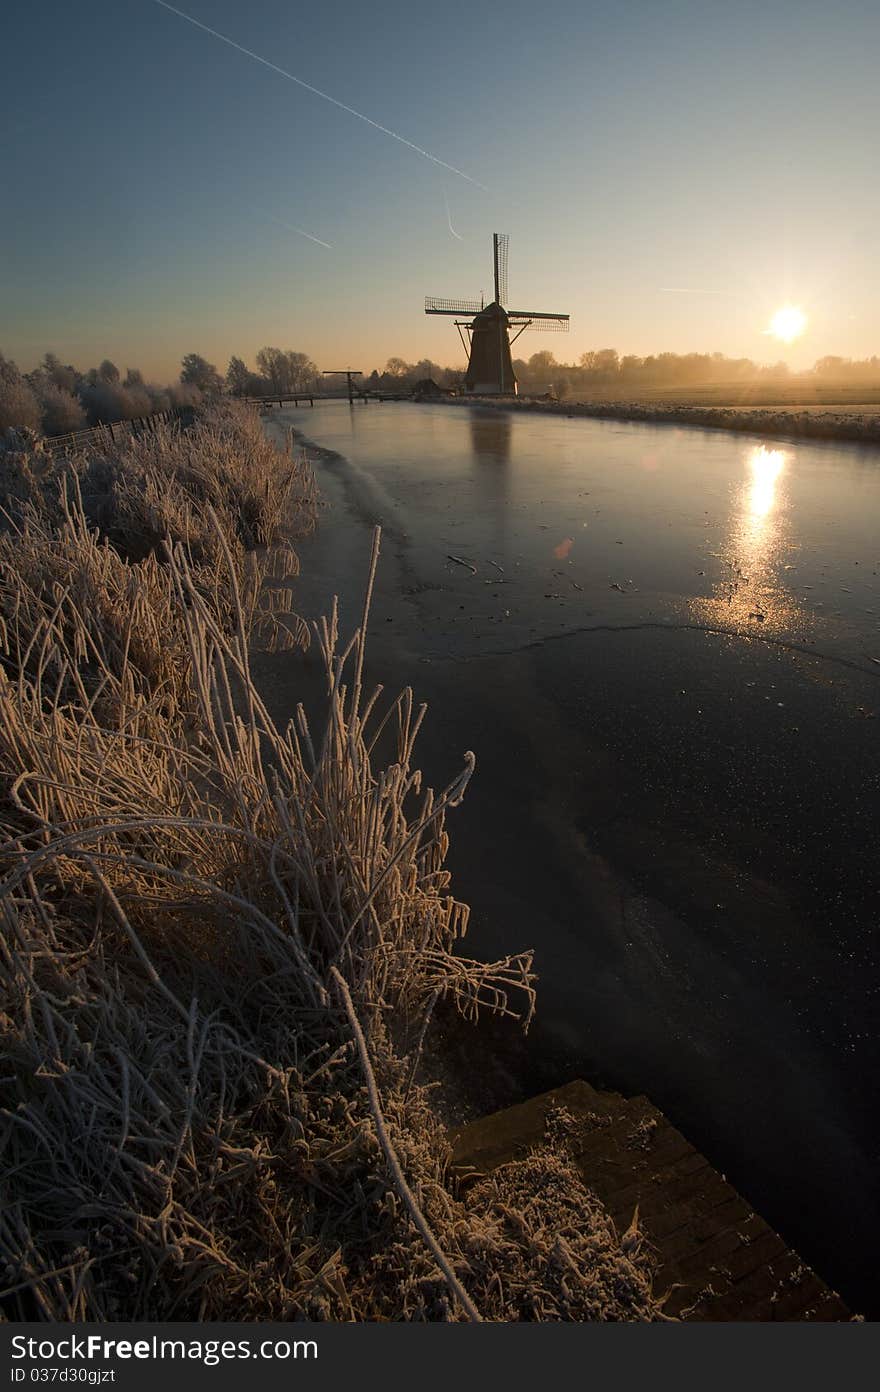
(272, 365)
(19, 407)
(542, 362)
(238, 376)
(304, 372)
(196, 371)
(67, 378)
(607, 361)
(285, 370)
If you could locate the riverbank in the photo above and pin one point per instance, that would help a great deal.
(857, 424)
(224, 935)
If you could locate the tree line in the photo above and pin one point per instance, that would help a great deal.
(604, 370)
(285, 371)
(57, 398)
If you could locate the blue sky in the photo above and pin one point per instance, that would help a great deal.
(725, 150)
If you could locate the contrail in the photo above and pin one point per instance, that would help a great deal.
(688, 290)
(249, 53)
(449, 217)
(299, 231)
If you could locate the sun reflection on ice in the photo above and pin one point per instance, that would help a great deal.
(766, 465)
(752, 595)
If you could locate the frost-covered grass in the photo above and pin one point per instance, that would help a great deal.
(221, 942)
(87, 598)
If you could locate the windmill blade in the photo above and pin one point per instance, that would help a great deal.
(546, 323)
(502, 241)
(435, 306)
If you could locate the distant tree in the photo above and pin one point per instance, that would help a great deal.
(649, 366)
(830, 366)
(607, 361)
(425, 368)
(103, 401)
(61, 411)
(134, 378)
(542, 362)
(238, 376)
(630, 366)
(537, 374)
(196, 371)
(285, 370)
(184, 394)
(19, 408)
(272, 364)
(108, 371)
(303, 372)
(159, 397)
(67, 378)
(397, 367)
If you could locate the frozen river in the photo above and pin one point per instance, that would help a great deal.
(664, 647)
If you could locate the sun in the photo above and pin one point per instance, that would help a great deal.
(788, 323)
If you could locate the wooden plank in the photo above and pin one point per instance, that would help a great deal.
(681, 1246)
(717, 1258)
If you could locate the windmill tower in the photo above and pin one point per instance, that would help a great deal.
(489, 329)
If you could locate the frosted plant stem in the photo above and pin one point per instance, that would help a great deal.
(403, 1188)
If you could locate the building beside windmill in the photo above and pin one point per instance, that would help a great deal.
(489, 328)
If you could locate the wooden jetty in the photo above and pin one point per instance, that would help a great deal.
(280, 399)
(300, 398)
(716, 1257)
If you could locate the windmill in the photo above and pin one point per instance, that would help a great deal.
(489, 329)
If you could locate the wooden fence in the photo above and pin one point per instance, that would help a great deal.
(113, 431)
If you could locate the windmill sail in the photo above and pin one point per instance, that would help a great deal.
(552, 323)
(502, 242)
(435, 306)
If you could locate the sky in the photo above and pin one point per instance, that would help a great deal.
(670, 173)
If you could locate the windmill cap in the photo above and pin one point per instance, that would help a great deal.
(491, 312)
